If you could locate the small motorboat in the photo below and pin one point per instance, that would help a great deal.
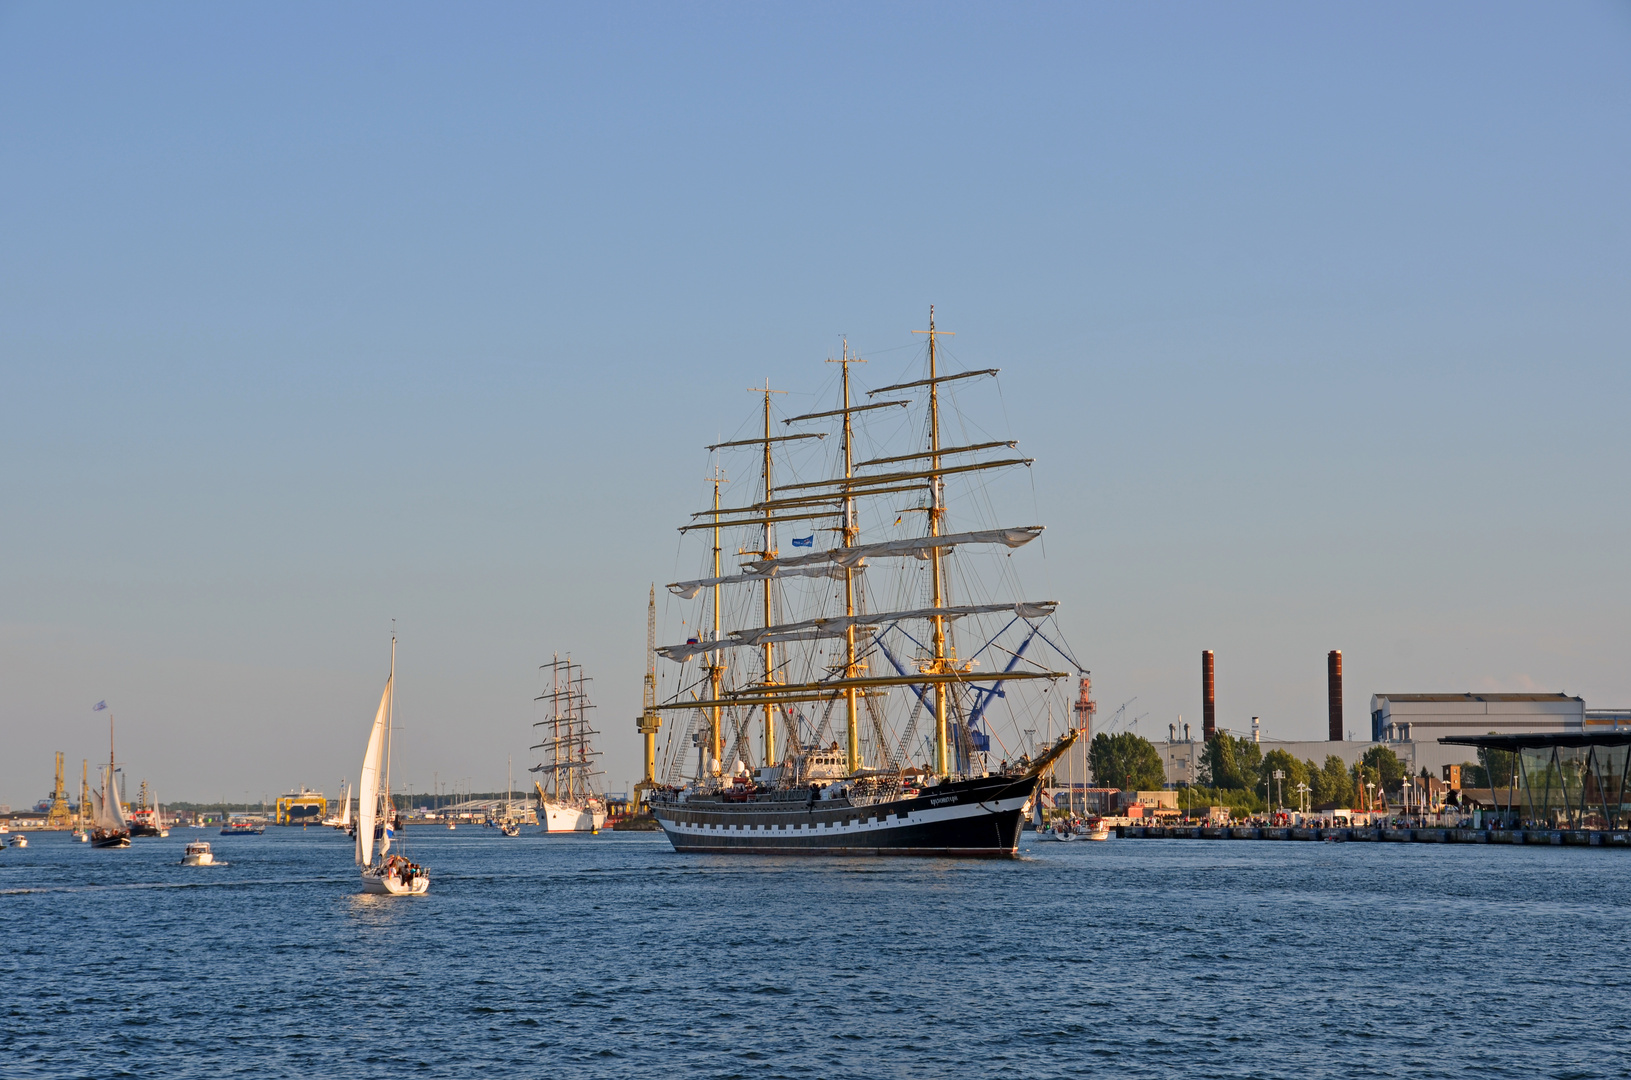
(450, 826)
(509, 828)
(243, 827)
(82, 836)
(199, 854)
(18, 841)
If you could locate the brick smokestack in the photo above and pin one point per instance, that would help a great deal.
(1333, 681)
(1209, 714)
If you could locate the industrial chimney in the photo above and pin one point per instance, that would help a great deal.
(1333, 681)
(1209, 715)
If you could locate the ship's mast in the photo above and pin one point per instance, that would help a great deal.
(939, 662)
(768, 552)
(851, 533)
(716, 665)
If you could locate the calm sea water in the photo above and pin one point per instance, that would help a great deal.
(612, 956)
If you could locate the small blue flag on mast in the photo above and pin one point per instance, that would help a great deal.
(99, 706)
(804, 541)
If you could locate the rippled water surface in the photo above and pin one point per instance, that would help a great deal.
(613, 956)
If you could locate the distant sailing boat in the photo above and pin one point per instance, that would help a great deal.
(391, 875)
(109, 829)
(508, 826)
(568, 796)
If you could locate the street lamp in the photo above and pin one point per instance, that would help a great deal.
(1280, 791)
(1370, 804)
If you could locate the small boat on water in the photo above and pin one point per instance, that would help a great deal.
(110, 830)
(1092, 828)
(243, 827)
(18, 841)
(389, 875)
(146, 819)
(199, 854)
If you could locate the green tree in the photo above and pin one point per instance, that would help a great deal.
(1383, 767)
(1231, 762)
(1333, 784)
(1498, 767)
(1282, 792)
(1126, 761)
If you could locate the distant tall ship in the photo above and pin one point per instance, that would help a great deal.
(569, 796)
(877, 689)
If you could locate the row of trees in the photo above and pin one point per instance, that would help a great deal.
(1236, 772)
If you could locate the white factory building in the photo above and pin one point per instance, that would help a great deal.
(1411, 724)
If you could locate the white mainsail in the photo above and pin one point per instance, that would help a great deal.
(368, 785)
(109, 814)
(345, 806)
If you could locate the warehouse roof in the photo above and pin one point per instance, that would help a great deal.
(1469, 696)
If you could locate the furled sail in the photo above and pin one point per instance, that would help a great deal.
(836, 626)
(685, 590)
(368, 785)
(849, 556)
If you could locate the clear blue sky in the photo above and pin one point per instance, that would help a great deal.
(315, 316)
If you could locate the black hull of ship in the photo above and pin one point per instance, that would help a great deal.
(110, 840)
(977, 818)
(144, 830)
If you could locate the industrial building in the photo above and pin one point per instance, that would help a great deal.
(1430, 717)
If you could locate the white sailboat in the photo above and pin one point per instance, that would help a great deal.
(111, 829)
(391, 875)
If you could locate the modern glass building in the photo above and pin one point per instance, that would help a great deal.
(1556, 779)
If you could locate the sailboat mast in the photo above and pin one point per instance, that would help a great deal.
(769, 553)
(942, 755)
(390, 712)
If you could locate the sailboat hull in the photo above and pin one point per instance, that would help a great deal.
(977, 818)
(391, 885)
(102, 839)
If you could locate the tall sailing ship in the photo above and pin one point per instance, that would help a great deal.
(569, 796)
(877, 689)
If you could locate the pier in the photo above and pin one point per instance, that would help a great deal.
(1619, 838)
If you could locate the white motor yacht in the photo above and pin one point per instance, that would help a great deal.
(198, 854)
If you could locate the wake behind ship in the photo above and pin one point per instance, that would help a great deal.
(908, 645)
